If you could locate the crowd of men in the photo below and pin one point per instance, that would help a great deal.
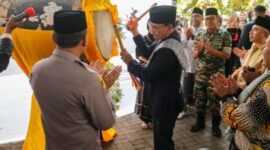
(75, 103)
(216, 65)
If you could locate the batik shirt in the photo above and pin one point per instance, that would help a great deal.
(251, 119)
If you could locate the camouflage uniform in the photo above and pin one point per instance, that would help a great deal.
(207, 66)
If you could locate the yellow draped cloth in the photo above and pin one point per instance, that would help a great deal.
(34, 45)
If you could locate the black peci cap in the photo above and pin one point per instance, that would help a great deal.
(197, 10)
(211, 11)
(69, 21)
(263, 22)
(163, 14)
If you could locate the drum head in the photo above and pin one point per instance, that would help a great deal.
(104, 32)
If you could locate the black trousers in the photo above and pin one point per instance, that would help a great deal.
(188, 81)
(163, 133)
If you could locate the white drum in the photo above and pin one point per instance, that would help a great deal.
(104, 32)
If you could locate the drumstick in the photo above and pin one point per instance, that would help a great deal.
(143, 14)
(134, 21)
(118, 36)
(133, 78)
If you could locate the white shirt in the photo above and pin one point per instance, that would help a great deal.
(188, 47)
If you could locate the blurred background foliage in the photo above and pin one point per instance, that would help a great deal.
(226, 7)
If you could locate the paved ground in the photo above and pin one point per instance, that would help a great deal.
(14, 114)
(15, 101)
(132, 137)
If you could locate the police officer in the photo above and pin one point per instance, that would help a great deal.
(73, 103)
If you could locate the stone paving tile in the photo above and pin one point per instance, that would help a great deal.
(12, 146)
(131, 136)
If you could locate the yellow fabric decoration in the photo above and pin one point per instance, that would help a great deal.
(108, 135)
(30, 47)
(35, 139)
(34, 45)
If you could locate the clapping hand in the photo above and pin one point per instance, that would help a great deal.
(188, 32)
(97, 66)
(239, 52)
(199, 45)
(223, 86)
(208, 48)
(109, 77)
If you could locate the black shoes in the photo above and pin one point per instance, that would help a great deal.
(215, 124)
(199, 125)
(216, 131)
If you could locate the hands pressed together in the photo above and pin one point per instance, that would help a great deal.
(188, 32)
(208, 48)
(200, 45)
(108, 76)
(239, 52)
(223, 86)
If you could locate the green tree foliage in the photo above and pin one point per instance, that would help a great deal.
(226, 7)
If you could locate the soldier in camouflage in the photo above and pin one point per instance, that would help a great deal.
(212, 48)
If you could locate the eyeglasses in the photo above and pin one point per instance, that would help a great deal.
(210, 18)
(196, 16)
